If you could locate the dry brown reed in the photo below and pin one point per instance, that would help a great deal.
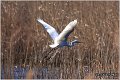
(25, 42)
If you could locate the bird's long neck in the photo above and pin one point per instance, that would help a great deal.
(72, 43)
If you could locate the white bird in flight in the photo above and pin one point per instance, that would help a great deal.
(60, 40)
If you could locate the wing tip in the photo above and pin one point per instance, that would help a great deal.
(75, 20)
(38, 19)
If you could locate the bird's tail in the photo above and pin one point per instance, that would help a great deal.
(53, 45)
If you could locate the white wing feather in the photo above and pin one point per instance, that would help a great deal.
(52, 32)
(67, 29)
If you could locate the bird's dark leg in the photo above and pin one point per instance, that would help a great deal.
(48, 55)
(54, 54)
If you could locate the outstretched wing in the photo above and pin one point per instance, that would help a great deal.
(66, 36)
(66, 32)
(52, 32)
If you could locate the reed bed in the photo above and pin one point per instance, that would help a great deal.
(25, 42)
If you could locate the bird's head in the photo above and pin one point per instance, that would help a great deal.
(75, 41)
(75, 37)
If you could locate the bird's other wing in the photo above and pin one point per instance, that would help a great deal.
(66, 36)
(66, 32)
(52, 32)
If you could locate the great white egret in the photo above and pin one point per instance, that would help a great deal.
(60, 40)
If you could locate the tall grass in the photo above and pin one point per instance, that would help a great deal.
(25, 42)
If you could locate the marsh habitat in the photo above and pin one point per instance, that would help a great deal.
(24, 42)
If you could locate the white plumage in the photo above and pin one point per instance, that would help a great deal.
(59, 39)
